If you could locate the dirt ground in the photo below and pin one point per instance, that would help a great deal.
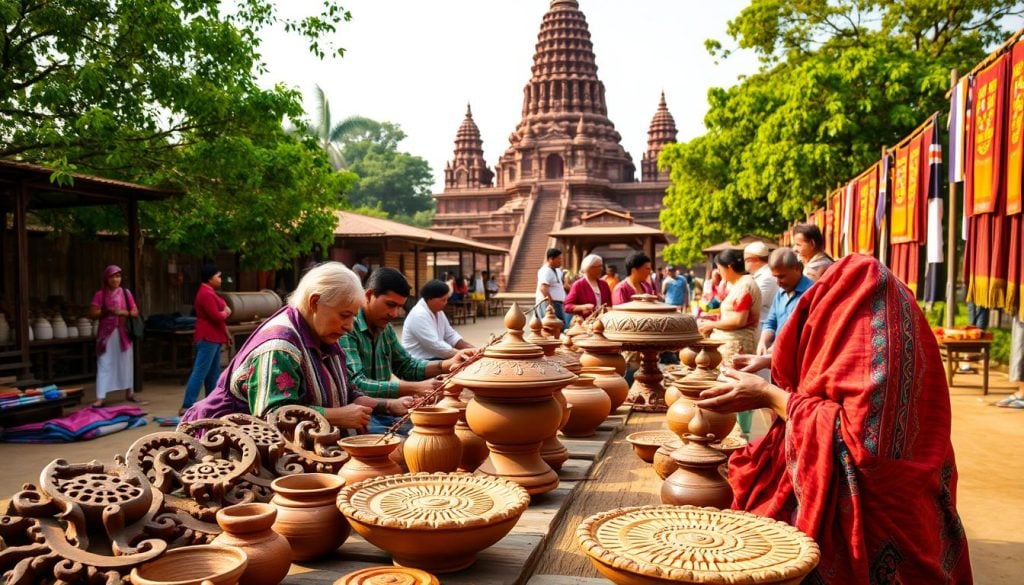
(986, 439)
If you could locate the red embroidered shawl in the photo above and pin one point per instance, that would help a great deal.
(864, 464)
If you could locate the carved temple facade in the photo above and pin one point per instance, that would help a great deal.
(564, 158)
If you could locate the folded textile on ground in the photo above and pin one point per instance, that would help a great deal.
(82, 425)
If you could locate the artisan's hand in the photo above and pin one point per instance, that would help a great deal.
(743, 391)
(762, 348)
(456, 360)
(581, 309)
(706, 327)
(746, 362)
(353, 416)
(400, 406)
(227, 311)
(423, 387)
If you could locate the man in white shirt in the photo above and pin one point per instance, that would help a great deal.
(426, 333)
(550, 285)
(755, 260)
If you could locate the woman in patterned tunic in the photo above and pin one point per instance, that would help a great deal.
(860, 456)
(294, 358)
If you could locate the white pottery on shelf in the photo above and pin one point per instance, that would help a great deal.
(60, 328)
(42, 330)
(72, 331)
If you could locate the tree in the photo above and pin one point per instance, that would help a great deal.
(396, 182)
(331, 136)
(840, 79)
(154, 92)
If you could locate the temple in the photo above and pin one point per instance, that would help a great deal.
(564, 159)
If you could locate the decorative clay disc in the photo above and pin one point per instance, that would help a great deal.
(433, 500)
(655, 437)
(690, 544)
(388, 576)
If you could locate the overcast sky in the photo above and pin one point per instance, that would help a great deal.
(418, 63)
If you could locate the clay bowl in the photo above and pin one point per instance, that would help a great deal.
(730, 444)
(646, 443)
(657, 545)
(436, 522)
(388, 576)
(204, 564)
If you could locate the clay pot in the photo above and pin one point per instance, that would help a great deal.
(697, 481)
(645, 443)
(613, 384)
(84, 327)
(474, 448)
(306, 514)
(599, 351)
(370, 457)
(204, 564)
(388, 576)
(42, 330)
(72, 331)
(590, 406)
(398, 456)
(432, 444)
(682, 410)
(60, 328)
(672, 394)
(663, 463)
(688, 358)
(552, 451)
(248, 527)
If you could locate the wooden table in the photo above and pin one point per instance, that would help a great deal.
(959, 347)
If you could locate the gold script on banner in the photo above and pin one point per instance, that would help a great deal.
(1015, 144)
(985, 120)
(900, 229)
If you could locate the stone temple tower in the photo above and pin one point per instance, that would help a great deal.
(564, 158)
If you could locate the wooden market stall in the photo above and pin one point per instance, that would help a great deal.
(605, 228)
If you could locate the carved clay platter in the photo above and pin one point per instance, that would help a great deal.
(646, 321)
(689, 544)
(388, 576)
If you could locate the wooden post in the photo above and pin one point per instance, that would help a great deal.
(21, 275)
(459, 272)
(435, 263)
(416, 268)
(951, 263)
(135, 249)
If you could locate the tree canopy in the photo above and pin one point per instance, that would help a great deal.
(164, 92)
(839, 80)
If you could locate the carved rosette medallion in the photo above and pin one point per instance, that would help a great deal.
(687, 544)
(388, 576)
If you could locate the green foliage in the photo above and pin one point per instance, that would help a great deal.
(163, 92)
(1000, 348)
(397, 182)
(840, 80)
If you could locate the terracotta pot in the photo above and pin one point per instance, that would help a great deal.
(432, 444)
(645, 443)
(388, 576)
(697, 481)
(688, 358)
(204, 564)
(552, 451)
(370, 457)
(398, 456)
(437, 522)
(682, 410)
(306, 514)
(663, 463)
(612, 383)
(248, 527)
(590, 406)
(671, 395)
(599, 351)
(60, 328)
(474, 448)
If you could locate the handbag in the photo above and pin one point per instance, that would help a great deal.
(134, 325)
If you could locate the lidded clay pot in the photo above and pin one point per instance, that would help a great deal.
(590, 406)
(607, 379)
(644, 321)
(663, 463)
(432, 444)
(553, 349)
(599, 351)
(682, 410)
(388, 576)
(706, 362)
(697, 480)
(203, 564)
(437, 522)
(370, 457)
(306, 514)
(513, 407)
(248, 527)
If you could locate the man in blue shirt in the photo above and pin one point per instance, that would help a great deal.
(787, 269)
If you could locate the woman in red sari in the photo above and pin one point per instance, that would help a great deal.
(860, 456)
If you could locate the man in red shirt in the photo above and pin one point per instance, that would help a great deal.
(211, 333)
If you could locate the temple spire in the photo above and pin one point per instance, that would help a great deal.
(662, 131)
(468, 169)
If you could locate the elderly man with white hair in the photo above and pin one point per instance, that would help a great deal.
(590, 292)
(755, 260)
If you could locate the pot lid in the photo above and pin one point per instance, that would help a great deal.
(536, 336)
(695, 452)
(644, 320)
(596, 341)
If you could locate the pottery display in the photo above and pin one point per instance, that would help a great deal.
(706, 362)
(687, 359)
(60, 328)
(697, 479)
(388, 576)
(437, 522)
(370, 457)
(474, 448)
(553, 326)
(72, 331)
(599, 351)
(650, 327)
(645, 443)
(42, 330)
(248, 527)
(84, 327)
(203, 564)
(663, 463)
(552, 451)
(659, 545)
(590, 407)
(432, 444)
(551, 345)
(576, 332)
(677, 419)
(513, 408)
(307, 516)
(607, 379)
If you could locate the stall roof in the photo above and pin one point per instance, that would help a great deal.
(84, 189)
(358, 226)
(744, 242)
(609, 231)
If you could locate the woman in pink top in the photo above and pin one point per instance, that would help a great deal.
(590, 292)
(113, 305)
(637, 281)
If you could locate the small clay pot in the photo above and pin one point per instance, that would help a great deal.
(590, 406)
(474, 448)
(203, 564)
(645, 443)
(552, 451)
(612, 383)
(432, 444)
(370, 457)
(663, 463)
(682, 410)
(307, 516)
(248, 527)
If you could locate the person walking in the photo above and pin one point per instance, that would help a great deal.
(550, 285)
(113, 306)
(210, 335)
(676, 290)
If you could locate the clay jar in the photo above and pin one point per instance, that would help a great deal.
(474, 448)
(248, 527)
(697, 481)
(432, 444)
(552, 451)
(370, 457)
(590, 406)
(682, 410)
(613, 384)
(307, 515)
(599, 351)
(204, 564)
(663, 463)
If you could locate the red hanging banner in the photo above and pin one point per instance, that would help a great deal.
(1015, 135)
(864, 215)
(985, 141)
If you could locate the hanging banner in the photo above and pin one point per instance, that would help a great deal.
(864, 225)
(957, 115)
(907, 189)
(837, 223)
(985, 143)
(1015, 136)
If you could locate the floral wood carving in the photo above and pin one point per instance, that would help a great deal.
(310, 440)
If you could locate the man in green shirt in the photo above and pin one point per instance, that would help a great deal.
(373, 352)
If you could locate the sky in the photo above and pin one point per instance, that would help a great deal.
(418, 63)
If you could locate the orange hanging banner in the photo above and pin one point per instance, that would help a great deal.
(837, 223)
(1015, 137)
(899, 228)
(986, 137)
(864, 218)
